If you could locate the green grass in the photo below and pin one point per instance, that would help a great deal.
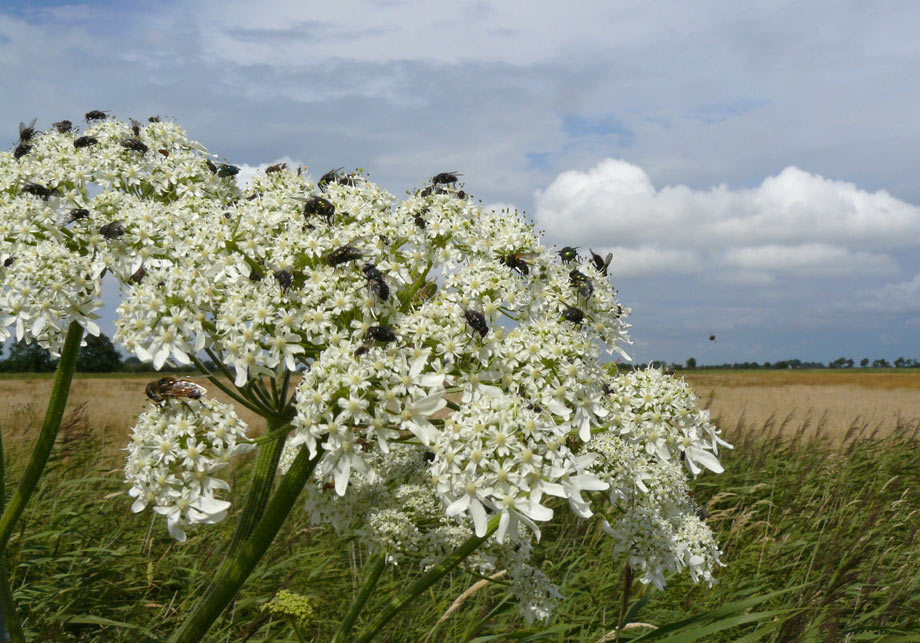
(837, 529)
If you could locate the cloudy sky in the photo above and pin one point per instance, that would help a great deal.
(753, 166)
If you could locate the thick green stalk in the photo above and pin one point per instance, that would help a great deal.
(234, 571)
(373, 575)
(432, 576)
(30, 477)
(58, 400)
(260, 486)
(12, 628)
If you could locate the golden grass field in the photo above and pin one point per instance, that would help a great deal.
(836, 400)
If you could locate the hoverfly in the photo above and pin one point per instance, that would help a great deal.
(568, 254)
(477, 320)
(343, 254)
(165, 387)
(62, 126)
(39, 190)
(112, 230)
(84, 141)
(375, 281)
(26, 132)
(376, 334)
(317, 206)
(277, 167)
(582, 282)
(601, 263)
(134, 144)
(445, 177)
(516, 261)
(96, 115)
(21, 150)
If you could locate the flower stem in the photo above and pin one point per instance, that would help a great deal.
(10, 627)
(260, 486)
(234, 571)
(30, 477)
(56, 403)
(627, 589)
(373, 575)
(433, 575)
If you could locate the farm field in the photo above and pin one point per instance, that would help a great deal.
(791, 401)
(832, 401)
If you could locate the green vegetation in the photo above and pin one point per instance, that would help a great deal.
(837, 528)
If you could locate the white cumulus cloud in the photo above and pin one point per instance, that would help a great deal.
(794, 222)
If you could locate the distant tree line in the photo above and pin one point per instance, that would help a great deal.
(98, 356)
(840, 362)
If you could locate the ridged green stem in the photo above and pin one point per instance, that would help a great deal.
(58, 400)
(433, 575)
(234, 571)
(30, 477)
(375, 568)
(260, 486)
(12, 628)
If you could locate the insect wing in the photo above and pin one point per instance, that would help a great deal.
(182, 388)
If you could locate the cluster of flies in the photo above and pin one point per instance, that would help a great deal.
(313, 207)
(133, 143)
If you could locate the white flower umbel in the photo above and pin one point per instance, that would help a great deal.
(176, 449)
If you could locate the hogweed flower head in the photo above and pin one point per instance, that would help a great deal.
(177, 450)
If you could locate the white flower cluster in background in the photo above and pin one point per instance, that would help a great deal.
(177, 449)
(654, 426)
(401, 514)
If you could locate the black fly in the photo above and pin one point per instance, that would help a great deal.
(343, 254)
(21, 150)
(569, 254)
(376, 334)
(317, 206)
(39, 190)
(477, 320)
(62, 126)
(84, 141)
(582, 282)
(112, 230)
(445, 177)
(375, 281)
(76, 214)
(285, 279)
(134, 144)
(26, 132)
(95, 115)
(572, 314)
(601, 263)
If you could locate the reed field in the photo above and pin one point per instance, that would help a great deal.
(818, 514)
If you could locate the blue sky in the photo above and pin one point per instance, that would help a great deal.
(752, 165)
